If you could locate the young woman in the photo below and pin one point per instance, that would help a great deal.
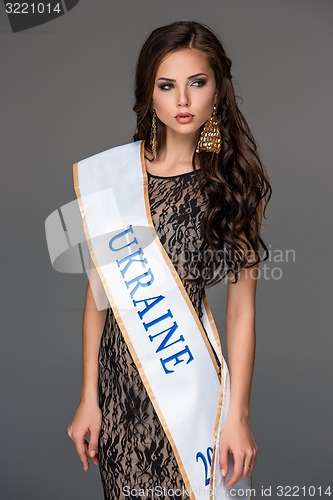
(206, 191)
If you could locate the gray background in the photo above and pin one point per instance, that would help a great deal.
(67, 93)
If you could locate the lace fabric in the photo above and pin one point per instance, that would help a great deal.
(134, 451)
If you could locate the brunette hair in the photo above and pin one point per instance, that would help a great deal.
(234, 181)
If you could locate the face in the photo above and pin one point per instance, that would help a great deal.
(184, 91)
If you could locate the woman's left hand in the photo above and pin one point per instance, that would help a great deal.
(236, 438)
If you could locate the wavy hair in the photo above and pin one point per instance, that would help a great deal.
(234, 181)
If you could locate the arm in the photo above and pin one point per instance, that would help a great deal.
(240, 324)
(87, 417)
(240, 330)
(92, 329)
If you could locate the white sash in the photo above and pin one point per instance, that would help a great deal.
(165, 337)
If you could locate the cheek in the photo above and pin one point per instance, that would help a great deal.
(162, 104)
(210, 98)
(203, 97)
(206, 109)
(208, 104)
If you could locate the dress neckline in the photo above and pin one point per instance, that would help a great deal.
(170, 176)
(160, 176)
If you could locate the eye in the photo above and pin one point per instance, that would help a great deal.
(198, 83)
(166, 86)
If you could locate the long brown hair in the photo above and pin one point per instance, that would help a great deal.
(234, 181)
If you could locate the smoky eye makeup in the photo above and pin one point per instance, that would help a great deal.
(166, 85)
(199, 82)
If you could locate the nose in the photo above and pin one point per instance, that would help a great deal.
(183, 98)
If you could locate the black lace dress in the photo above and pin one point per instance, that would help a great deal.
(135, 456)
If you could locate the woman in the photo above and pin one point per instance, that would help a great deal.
(208, 191)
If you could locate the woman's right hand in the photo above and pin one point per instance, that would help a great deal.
(87, 418)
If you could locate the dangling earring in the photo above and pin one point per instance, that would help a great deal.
(153, 136)
(210, 138)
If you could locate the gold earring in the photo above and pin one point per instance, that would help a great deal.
(210, 137)
(153, 136)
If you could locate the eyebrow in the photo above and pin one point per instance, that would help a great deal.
(189, 78)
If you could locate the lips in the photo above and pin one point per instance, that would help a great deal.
(184, 117)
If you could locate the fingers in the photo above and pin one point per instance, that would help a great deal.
(250, 461)
(93, 446)
(244, 463)
(223, 460)
(87, 419)
(238, 469)
(81, 446)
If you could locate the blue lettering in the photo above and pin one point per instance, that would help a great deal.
(139, 283)
(157, 320)
(149, 306)
(130, 260)
(176, 357)
(171, 331)
(129, 230)
(205, 462)
(145, 280)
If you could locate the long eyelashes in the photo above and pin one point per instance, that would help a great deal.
(200, 83)
(165, 86)
(169, 86)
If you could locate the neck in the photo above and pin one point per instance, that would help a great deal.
(178, 148)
